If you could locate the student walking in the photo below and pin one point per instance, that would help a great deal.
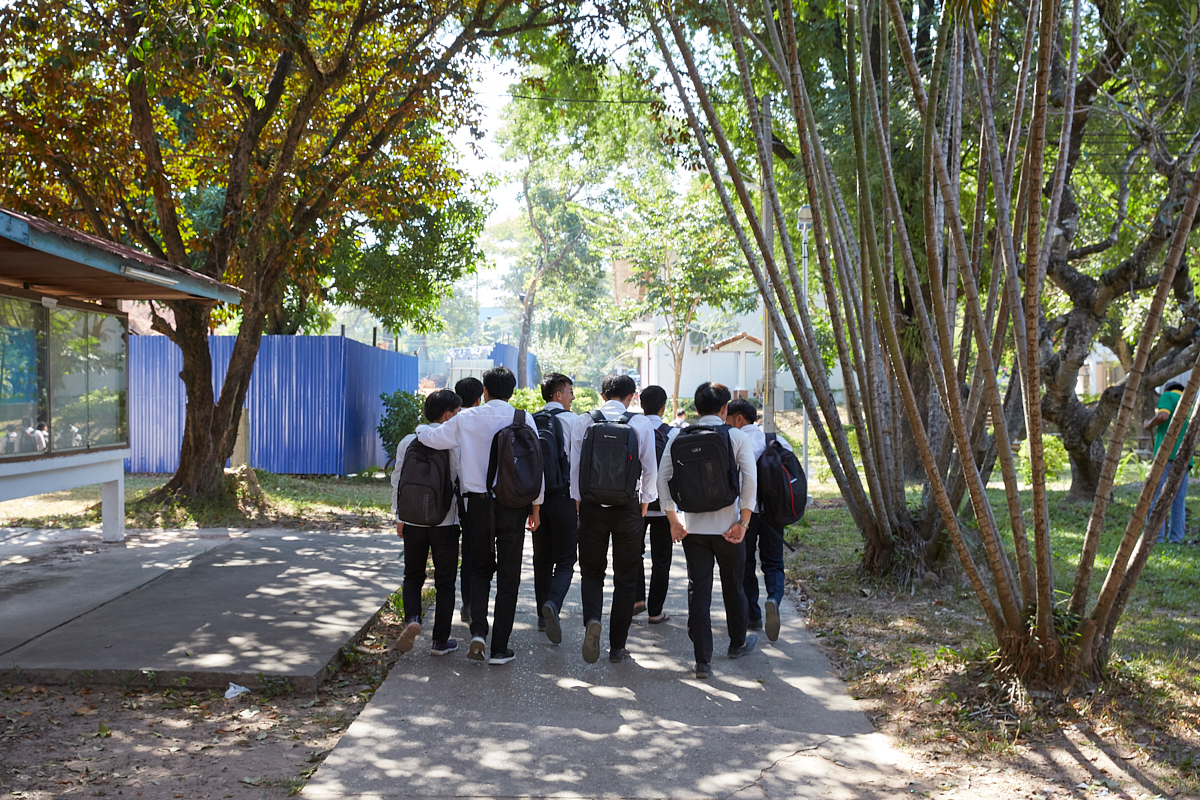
(654, 403)
(556, 539)
(708, 473)
(613, 479)
(424, 489)
(497, 504)
(767, 538)
(470, 390)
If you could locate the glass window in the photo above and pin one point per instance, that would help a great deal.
(62, 378)
(22, 395)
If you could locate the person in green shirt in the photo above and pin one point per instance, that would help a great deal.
(1167, 405)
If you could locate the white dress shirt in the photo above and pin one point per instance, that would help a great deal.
(452, 517)
(613, 409)
(655, 422)
(758, 440)
(715, 522)
(471, 430)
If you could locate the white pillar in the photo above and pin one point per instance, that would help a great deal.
(112, 509)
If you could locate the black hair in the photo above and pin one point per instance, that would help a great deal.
(711, 398)
(470, 390)
(41, 426)
(500, 383)
(654, 400)
(744, 409)
(439, 402)
(1173, 386)
(553, 383)
(617, 386)
(681, 413)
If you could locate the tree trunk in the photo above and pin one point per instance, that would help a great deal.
(210, 428)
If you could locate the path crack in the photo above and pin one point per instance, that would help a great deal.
(763, 772)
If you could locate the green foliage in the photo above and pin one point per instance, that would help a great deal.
(586, 399)
(273, 685)
(1057, 460)
(529, 399)
(401, 414)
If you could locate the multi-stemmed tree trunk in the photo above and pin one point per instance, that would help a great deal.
(865, 255)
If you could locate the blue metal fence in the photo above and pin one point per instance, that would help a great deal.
(313, 402)
(506, 355)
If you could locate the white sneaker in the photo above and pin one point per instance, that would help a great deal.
(475, 651)
(411, 631)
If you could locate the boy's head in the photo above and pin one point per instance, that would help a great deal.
(499, 383)
(742, 413)
(558, 388)
(1173, 386)
(618, 387)
(680, 414)
(654, 400)
(470, 390)
(711, 398)
(442, 405)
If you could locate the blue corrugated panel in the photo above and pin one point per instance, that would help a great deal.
(371, 372)
(297, 404)
(156, 404)
(313, 402)
(505, 355)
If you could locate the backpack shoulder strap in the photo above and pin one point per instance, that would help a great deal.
(518, 417)
(664, 429)
(624, 418)
(770, 438)
(597, 416)
(554, 412)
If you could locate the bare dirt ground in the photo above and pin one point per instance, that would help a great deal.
(171, 742)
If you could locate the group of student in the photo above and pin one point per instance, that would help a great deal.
(721, 487)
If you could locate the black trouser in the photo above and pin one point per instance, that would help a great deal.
(624, 525)
(769, 541)
(419, 542)
(701, 550)
(496, 548)
(555, 549)
(660, 565)
(464, 569)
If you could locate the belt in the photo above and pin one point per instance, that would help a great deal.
(476, 495)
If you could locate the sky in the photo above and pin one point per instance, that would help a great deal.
(491, 91)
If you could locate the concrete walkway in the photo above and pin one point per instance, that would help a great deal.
(776, 724)
(209, 606)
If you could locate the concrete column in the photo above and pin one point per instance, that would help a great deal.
(112, 509)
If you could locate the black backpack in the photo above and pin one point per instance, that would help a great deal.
(514, 476)
(550, 433)
(661, 434)
(425, 490)
(705, 472)
(782, 485)
(609, 466)
(25, 442)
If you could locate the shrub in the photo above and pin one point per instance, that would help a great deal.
(529, 399)
(586, 399)
(401, 413)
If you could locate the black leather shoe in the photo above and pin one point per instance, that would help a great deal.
(549, 623)
(591, 642)
(617, 656)
(745, 648)
(700, 671)
(541, 625)
(772, 612)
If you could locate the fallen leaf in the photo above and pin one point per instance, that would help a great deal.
(104, 731)
(84, 711)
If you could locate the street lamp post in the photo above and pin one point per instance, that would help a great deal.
(805, 218)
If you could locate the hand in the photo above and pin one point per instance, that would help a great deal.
(535, 519)
(678, 532)
(400, 529)
(736, 532)
(645, 508)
